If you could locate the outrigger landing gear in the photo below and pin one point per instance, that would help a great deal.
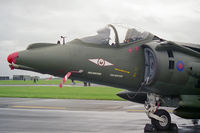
(160, 118)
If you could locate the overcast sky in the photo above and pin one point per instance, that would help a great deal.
(28, 21)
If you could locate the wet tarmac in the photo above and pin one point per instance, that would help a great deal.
(78, 116)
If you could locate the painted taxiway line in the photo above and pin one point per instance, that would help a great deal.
(39, 107)
(135, 110)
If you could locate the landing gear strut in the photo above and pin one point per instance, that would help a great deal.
(160, 118)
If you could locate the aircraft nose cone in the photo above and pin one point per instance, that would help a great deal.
(12, 58)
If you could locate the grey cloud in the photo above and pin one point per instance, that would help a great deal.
(24, 22)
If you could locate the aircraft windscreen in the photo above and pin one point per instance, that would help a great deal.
(133, 35)
(102, 37)
(111, 35)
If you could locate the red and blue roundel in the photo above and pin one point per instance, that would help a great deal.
(180, 66)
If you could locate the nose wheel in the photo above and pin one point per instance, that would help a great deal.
(160, 118)
(162, 125)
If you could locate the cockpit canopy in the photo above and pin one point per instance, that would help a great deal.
(111, 35)
(102, 37)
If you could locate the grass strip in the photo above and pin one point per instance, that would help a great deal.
(93, 93)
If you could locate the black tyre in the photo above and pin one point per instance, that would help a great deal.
(162, 125)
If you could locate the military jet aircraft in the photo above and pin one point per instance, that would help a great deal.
(153, 71)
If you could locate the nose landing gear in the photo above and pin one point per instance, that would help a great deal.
(160, 118)
(165, 122)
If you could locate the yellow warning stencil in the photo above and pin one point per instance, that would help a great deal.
(120, 70)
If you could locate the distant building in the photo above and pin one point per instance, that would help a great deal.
(25, 77)
(21, 77)
(4, 78)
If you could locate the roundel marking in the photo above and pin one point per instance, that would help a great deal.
(180, 66)
(101, 62)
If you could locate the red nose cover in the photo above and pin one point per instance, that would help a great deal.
(12, 58)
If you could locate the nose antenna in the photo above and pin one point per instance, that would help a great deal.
(63, 39)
